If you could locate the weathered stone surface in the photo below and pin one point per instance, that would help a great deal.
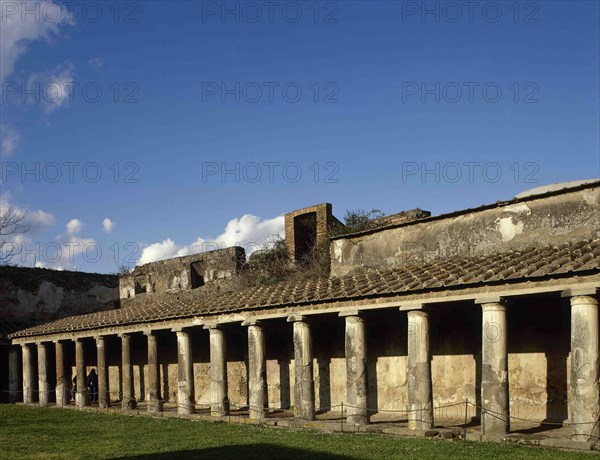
(513, 225)
(28, 382)
(494, 374)
(155, 404)
(43, 384)
(419, 372)
(185, 374)
(13, 375)
(82, 395)
(585, 402)
(211, 270)
(219, 404)
(304, 388)
(37, 295)
(128, 398)
(257, 385)
(103, 391)
(356, 371)
(62, 384)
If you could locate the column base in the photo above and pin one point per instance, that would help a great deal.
(186, 409)
(82, 399)
(219, 409)
(357, 420)
(155, 406)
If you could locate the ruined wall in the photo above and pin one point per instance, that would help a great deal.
(556, 219)
(207, 270)
(37, 295)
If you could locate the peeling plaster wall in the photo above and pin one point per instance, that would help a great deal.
(555, 219)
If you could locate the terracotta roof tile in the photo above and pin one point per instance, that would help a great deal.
(583, 256)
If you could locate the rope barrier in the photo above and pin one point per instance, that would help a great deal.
(245, 409)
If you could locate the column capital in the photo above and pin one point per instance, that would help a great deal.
(149, 333)
(417, 313)
(185, 330)
(346, 313)
(211, 326)
(490, 300)
(125, 335)
(297, 319)
(579, 292)
(252, 322)
(411, 307)
(99, 339)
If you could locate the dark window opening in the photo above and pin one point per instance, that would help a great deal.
(305, 235)
(197, 275)
(140, 284)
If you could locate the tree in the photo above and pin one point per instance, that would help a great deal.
(12, 222)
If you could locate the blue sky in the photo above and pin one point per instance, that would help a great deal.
(376, 104)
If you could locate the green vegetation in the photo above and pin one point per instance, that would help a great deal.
(359, 220)
(273, 264)
(30, 432)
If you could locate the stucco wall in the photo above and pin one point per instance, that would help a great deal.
(555, 219)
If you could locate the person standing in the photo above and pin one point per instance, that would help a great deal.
(92, 383)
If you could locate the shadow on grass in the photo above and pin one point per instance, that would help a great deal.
(244, 451)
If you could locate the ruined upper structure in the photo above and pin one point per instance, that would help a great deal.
(212, 270)
(555, 233)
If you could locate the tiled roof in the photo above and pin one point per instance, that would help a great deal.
(8, 326)
(534, 263)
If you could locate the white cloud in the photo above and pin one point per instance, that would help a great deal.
(20, 29)
(9, 140)
(53, 87)
(74, 226)
(248, 231)
(38, 219)
(22, 244)
(96, 62)
(158, 251)
(22, 23)
(107, 225)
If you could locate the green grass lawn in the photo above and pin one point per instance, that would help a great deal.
(29, 432)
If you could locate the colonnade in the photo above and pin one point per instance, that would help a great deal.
(585, 353)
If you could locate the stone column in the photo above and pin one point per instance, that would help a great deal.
(103, 394)
(186, 401)
(257, 371)
(82, 395)
(62, 387)
(128, 401)
(494, 372)
(219, 401)
(585, 401)
(43, 387)
(13, 375)
(28, 383)
(419, 372)
(356, 368)
(153, 391)
(304, 385)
